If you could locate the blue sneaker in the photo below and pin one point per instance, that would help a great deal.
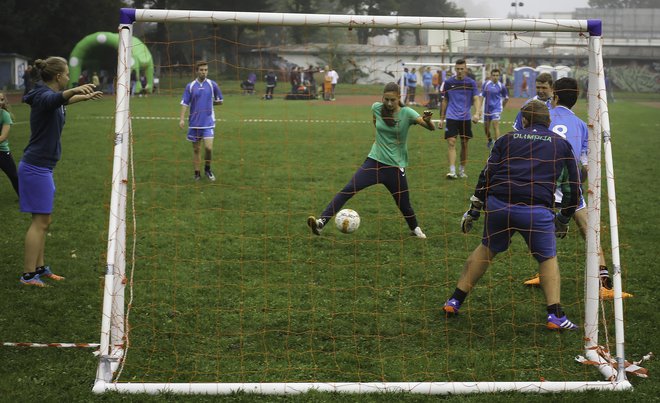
(35, 281)
(47, 273)
(451, 307)
(555, 323)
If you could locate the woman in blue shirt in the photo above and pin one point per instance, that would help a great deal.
(35, 171)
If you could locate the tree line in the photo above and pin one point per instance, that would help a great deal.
(37, 28)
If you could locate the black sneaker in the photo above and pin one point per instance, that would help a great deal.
(210, 175)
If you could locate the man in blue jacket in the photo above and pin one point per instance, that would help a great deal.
(516, 190)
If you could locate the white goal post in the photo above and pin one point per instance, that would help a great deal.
(113, 340)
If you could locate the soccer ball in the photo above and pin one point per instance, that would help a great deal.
(347, 221)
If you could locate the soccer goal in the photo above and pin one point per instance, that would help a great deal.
(216, 287)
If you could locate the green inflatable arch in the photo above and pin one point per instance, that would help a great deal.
(141, 56)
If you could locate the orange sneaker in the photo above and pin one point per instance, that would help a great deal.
(47, 273)
(608, 293)
(534, 281)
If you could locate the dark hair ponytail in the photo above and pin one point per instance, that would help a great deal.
(386, 114)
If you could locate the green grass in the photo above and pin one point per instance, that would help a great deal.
(231, 287)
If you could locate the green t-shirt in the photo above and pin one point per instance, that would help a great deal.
(391, 145)
(5, 119)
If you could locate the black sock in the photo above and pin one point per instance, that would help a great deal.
(196, 173)
(555, 309)
(207, 168)
(459, 295)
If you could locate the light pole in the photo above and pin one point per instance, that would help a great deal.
(517, 4)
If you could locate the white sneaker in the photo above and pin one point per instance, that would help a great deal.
(452, 175)
(418, 233)
(462, 175)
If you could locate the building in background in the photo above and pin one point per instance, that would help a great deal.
(12, 67)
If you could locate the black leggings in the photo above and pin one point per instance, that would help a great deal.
(370, 173)
(8, 165)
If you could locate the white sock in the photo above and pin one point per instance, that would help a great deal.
(452, 169)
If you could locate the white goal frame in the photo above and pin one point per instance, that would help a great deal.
(113, 345)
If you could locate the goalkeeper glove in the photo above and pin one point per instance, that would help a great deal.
(561, 225)
(472, 215)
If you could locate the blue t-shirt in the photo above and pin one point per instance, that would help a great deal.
(524, 166)
(199, 97)
(47, 117)
(517, 124)
(460, 95)
(494, 95)
(564, 122)
(412, 79)
(427, 78)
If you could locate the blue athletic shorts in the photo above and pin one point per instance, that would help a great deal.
(536, 224)
(36, 189)
(196, 135)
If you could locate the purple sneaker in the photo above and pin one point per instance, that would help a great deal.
(555, 323)
(451, 307)
(34, 281)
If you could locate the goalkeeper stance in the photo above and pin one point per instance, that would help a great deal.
(516, 190)
(387, 161)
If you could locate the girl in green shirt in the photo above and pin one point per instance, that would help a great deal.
(7, 163)
(387, 160)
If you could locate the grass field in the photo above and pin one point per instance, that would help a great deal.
(230, 286)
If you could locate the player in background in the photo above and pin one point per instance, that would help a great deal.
(271, 83)
(495, 97)
(565, 123)
(516, 189)
(459, 94)
(387, 160)
(412, 87)
(543, 93)
(200, 96)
